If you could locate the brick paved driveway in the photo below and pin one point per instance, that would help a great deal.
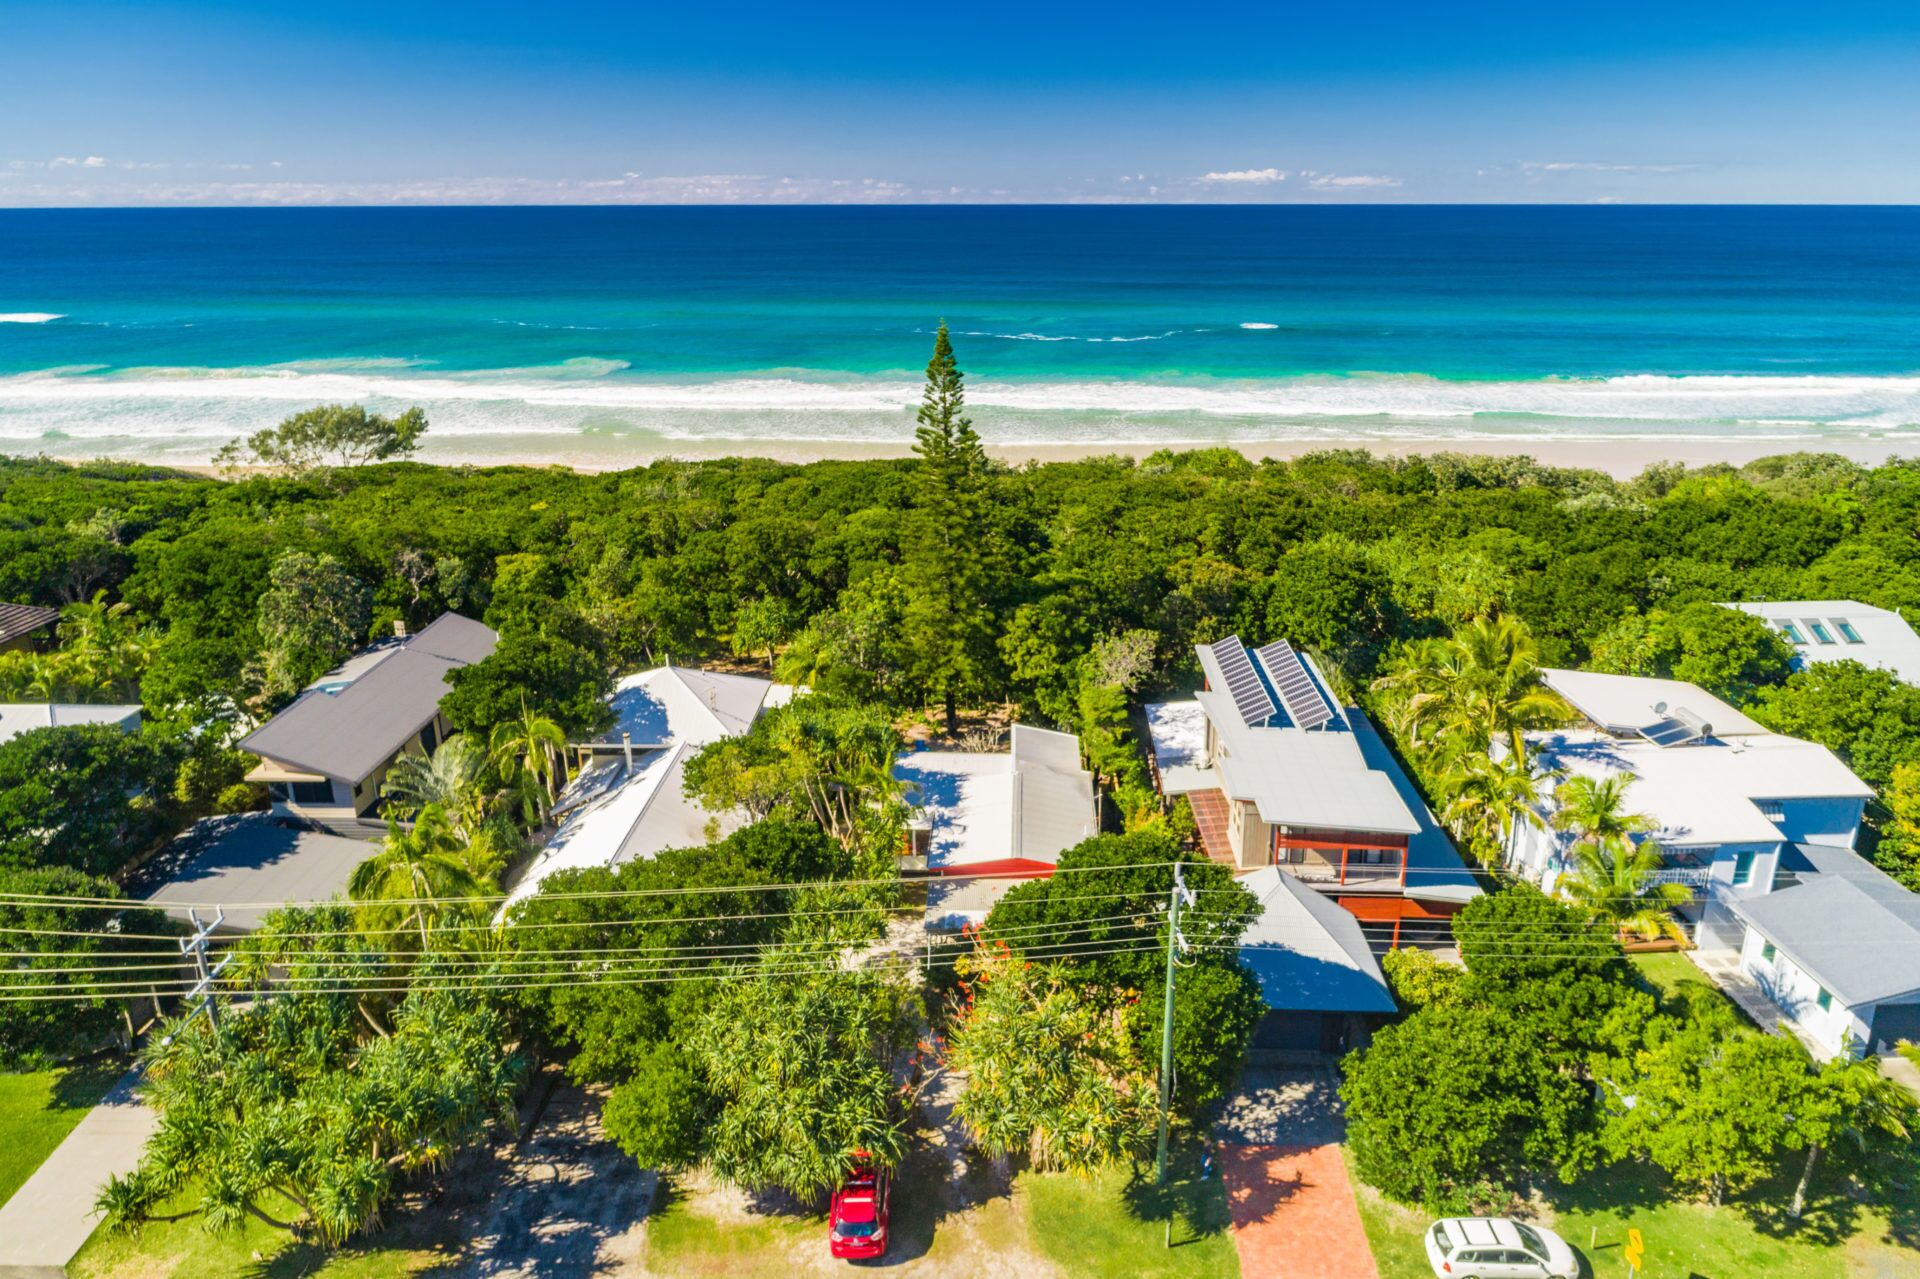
(1293, 1210)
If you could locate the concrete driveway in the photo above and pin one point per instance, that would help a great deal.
(1292, 1206)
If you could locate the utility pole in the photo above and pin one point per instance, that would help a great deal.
(195, 948)
(1175, 943)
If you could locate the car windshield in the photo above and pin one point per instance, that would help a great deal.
(1443, 1239)
(1531, 1238)
(856, 1229)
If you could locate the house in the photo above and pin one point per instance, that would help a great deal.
(1726, 797)
(1280, 774)
(21, 625)
(1317, 972)
(627, 798)
(243, 864)
(1007, 815)
(1843, 630)
(23, 717)
(323, 757)
(1836, 948)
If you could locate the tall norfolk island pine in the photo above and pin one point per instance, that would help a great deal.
(948, 547)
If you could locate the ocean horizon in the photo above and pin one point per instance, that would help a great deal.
(588, 335)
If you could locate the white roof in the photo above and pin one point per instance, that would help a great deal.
(610, 813)
(1032, 801)
(21, 717)
(679, 704)
(1177, 733)
(1627, 703)
(1882, 636)
(1308, 953)
(1707, 792)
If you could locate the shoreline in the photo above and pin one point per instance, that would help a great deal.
(1621, 459)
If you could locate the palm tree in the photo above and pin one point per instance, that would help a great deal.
(449, 779)
(106, 647)
(1479, 686)
(1612, 872)
(527, 752)
(414, 872)
(1595, 809)
(1614, 881)
(1488, 798)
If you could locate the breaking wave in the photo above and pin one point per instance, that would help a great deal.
(188, 411)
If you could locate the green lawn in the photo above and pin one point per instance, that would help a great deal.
(1669, 971)
(1685, 1240)
(186, 1250)
(39, 1108)
(1113, 1225)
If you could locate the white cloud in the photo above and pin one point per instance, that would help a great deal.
(1347, 181)
(1250, 177)
(1589, 166)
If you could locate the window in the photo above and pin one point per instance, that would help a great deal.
(313, 792)
(1767, 952)
(1442, 1239)
(1531, 1239)
(1820, 632)
(1826, 1000)
(430, 737)
(1792, 633)
(1846, 630)
(1743, 868)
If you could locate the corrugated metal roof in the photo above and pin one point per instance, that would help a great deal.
(1857, 934)
(1308, 953)
(251, 858)
(24, 619)
(348, 731)
(1630, 703)
(1884, 638)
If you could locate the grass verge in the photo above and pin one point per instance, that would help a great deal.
(1116, 1224)
(39, 1108)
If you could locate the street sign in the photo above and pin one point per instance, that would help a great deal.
(1636, 1250)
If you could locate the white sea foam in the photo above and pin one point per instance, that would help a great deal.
(186, 411)
(1255, 324)
(29, 317)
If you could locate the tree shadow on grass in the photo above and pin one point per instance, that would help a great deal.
(1193, 1199)
(81, 1085)
(1618, 1191)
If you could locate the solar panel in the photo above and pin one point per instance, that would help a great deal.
(1243, 682)
(1306, 705)
(1676, 729)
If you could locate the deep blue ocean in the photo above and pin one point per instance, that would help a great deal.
(593, 334)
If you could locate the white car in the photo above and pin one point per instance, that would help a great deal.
(1498, 1248)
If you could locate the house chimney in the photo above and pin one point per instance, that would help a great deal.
(399, 628)
(626, 745)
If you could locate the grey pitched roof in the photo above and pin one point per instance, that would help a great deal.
(1052, 795)
(1849, 925)
(347, 731)
(1307, 952)
(24, 619)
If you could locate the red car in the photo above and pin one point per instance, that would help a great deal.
(857, 1222)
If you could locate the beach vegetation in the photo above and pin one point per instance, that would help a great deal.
(330, 435)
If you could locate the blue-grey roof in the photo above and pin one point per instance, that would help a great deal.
(1309, 953)
(1846, 923)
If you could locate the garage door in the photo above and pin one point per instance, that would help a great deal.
(1895, 1022)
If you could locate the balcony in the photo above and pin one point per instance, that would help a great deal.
(1325, 863)
(1690, 876)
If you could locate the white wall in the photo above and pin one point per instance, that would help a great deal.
(1835, 1029)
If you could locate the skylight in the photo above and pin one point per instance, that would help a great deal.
(1846, 630)
(1792, 633)
(1820, 632)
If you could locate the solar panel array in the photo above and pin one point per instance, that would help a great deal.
(1676, 729)
(1306, 705)
(1243, 682)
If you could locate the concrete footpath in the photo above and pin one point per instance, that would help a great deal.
(50, 1217)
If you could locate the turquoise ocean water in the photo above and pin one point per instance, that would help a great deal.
(587, 335)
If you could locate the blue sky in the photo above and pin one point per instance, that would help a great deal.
(229, 101)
